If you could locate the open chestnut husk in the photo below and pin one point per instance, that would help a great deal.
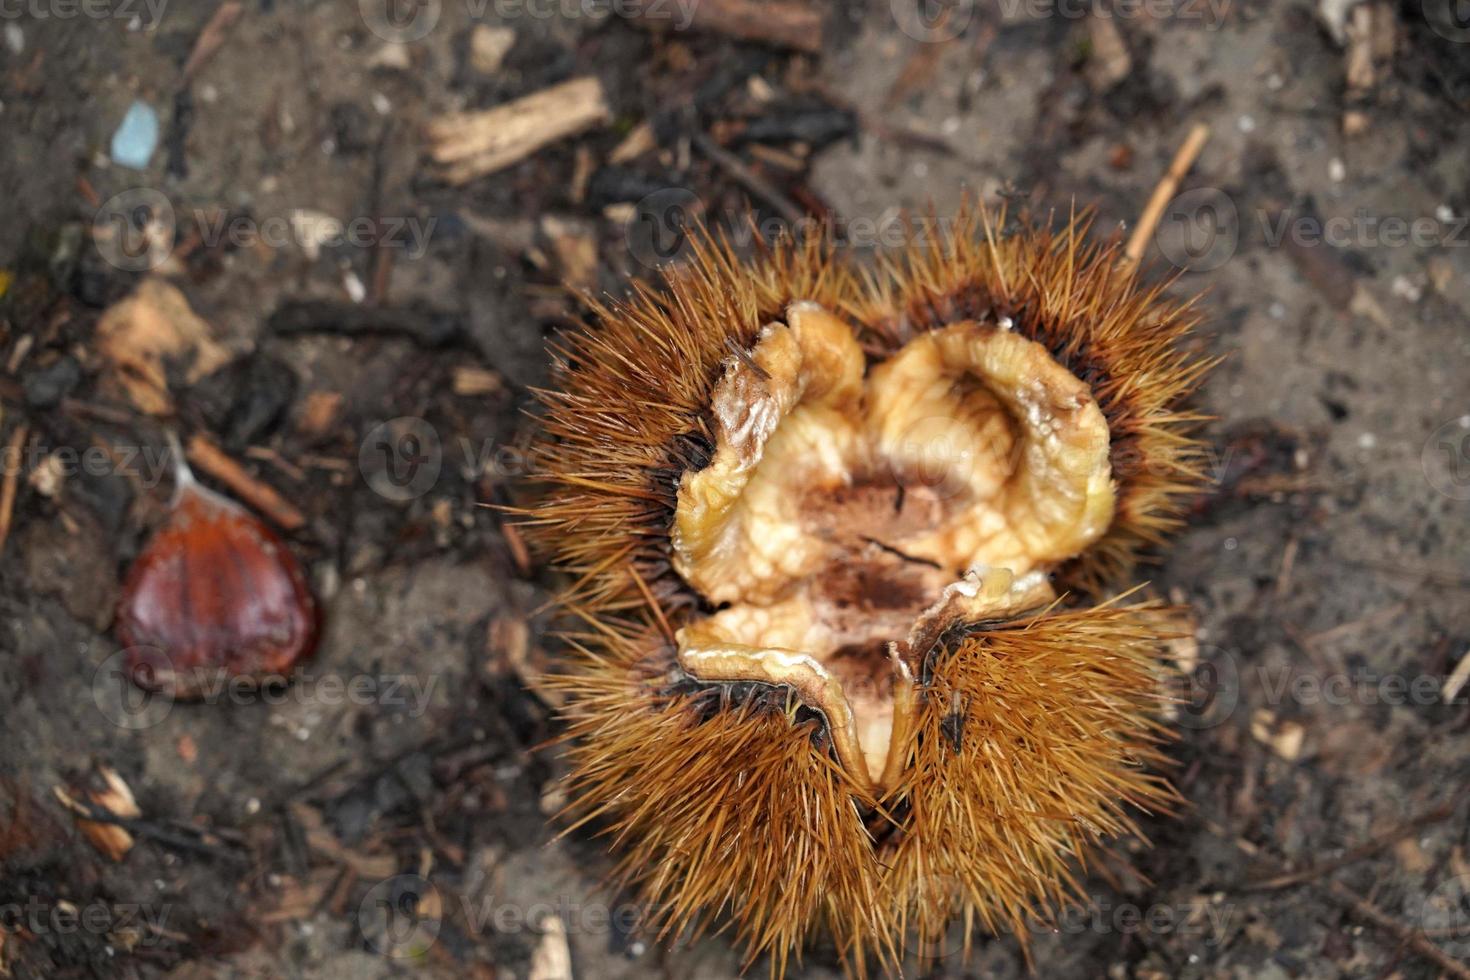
(215, 597)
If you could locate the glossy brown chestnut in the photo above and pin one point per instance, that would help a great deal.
(214, 596)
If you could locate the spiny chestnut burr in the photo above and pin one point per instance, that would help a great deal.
(214, 596)
(836, 539)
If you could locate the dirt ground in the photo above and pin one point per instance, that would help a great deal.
(386, 815)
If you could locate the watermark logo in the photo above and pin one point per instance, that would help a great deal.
(144, 11)
(143, 464)
(401, 21)
(932, 21)
(135, 687)
(400, 917)
(941, 454)
(136, 229)
(1445, 459)
(1209, 694)
(401, 458)
(124, 688)
(1200, 230)
(1444, 915)
(1450, 19)
(143, 923)
(659, 233)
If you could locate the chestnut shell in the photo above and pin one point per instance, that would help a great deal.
(214, 596)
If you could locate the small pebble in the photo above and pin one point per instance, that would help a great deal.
(356, 291)
(1247, 124)
(1444, 213)
(136, 137)
(1367, 440)
(1231, 544)
(1406, 288)
(1336, 170)
(15, 38)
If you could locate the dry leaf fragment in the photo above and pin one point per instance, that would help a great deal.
(116, 798)
(1285, 738)
(149, 332)
(575, 248)
(1110, 61)
(319, 412)
(320, 839)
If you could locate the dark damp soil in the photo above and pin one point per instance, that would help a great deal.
(394, 799)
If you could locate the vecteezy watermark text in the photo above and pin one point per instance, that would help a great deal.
(407, 21)
(400, 917)
(144, 463)
(132, 707)
(59, 918)
(135, 230)
(89, 9)
(937, 21)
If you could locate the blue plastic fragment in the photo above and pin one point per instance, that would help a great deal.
(137, 137)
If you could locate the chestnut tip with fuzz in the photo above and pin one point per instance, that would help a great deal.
(829, 533)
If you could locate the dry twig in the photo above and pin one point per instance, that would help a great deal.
(1364, 850)
(1410, 937)
(12, 467)
(751, 180)
(210, 458)
(779, 22)
(212, 38)
(1163, 193)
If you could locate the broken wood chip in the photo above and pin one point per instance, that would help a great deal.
(1109, 62)
(640, 140)
(552, 959)
(782, 23)
(1456, 681)
(474, 381)
(468, 145)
